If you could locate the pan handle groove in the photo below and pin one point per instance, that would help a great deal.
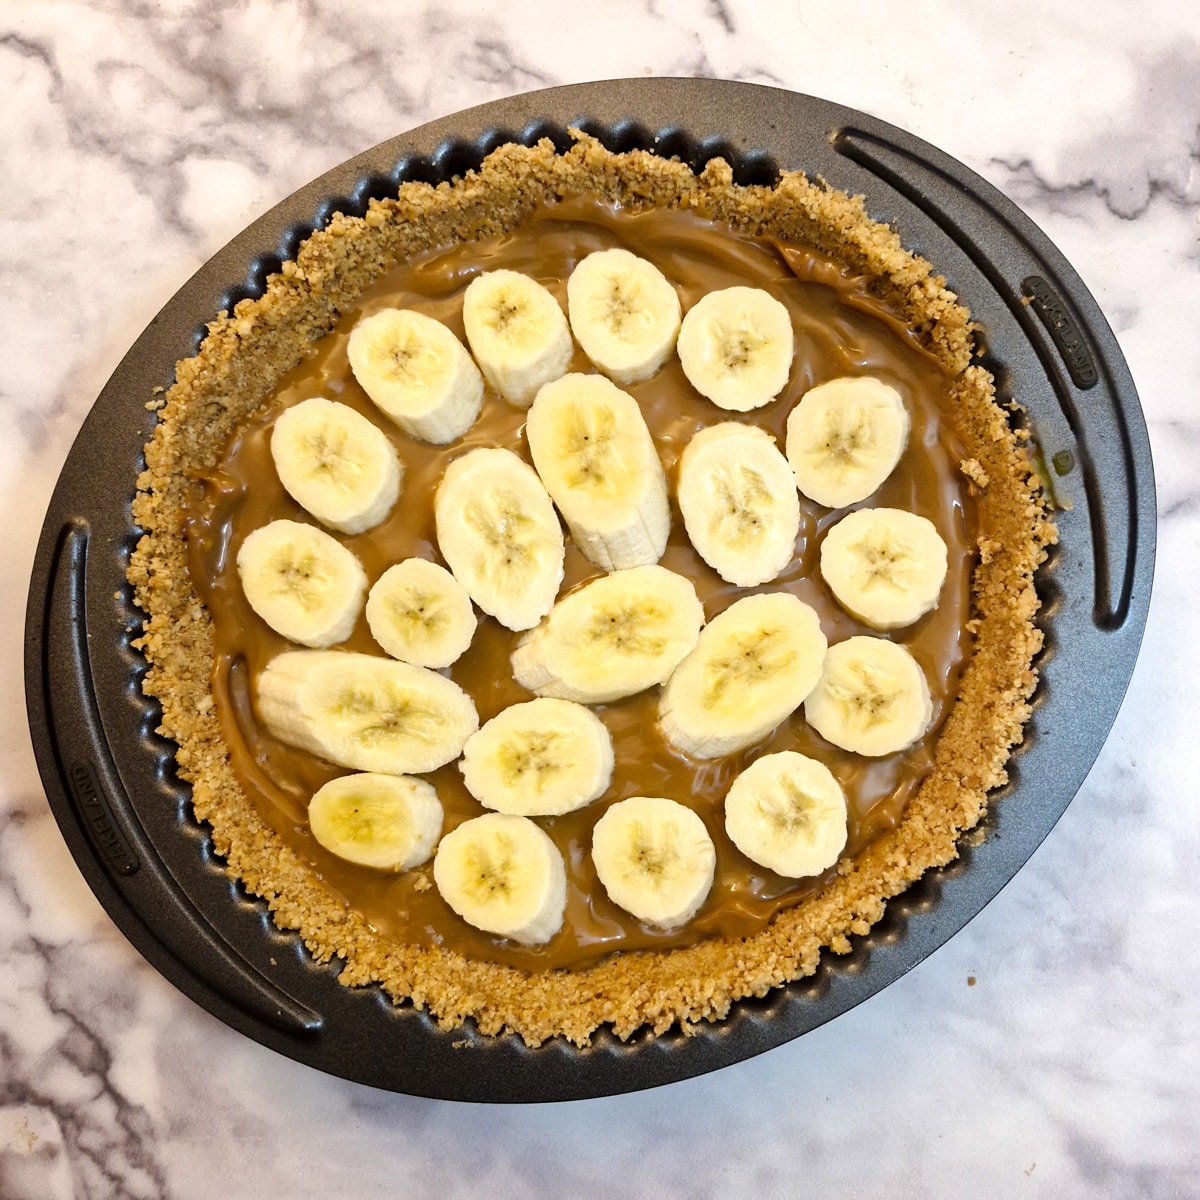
(103, 812)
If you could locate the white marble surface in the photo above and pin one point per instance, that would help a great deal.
(135, 142)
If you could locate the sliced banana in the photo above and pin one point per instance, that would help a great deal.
(885, 566)
(539, 759)
(418, 612)
(304, 583)
(336, 464)
(872, 698)
(736, 347)
(787, 812)
(845, 438)
(498, 530)
(503, 875)
(517, 332)
(738, 498)
(591, 446)
(365, 712)
(615, 636)
(624, 313)
(753, 665)
(417, 372)
(655, 858)
(390, 822)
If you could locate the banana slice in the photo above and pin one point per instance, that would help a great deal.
(539, 759)
(655, 859)
(845, 438)
(595, 455)
(503, 875)
(419, 613)
(497, 529)
(885, 566)
(517, 332)
(390, 822)
(624, 313)
(304, 583)
(787, 812)
(365, 712)
(614, 636)
(752, 666)
(417, 372)
(872, 699)
(736, 347)
(336, 464)
(739, 502)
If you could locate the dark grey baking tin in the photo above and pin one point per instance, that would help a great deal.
(110, 778)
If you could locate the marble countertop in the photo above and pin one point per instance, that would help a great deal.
(1052, 1048)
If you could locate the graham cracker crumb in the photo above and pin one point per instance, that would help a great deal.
(972, 469)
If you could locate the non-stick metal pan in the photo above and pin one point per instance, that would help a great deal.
(110, 778)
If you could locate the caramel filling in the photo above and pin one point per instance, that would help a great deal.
(840, 330)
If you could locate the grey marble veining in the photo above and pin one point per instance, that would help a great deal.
(136, 143)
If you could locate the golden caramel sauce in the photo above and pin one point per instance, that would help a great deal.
(840, 329)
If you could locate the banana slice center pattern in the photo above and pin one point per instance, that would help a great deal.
(400, 361)
(866, 694)
(380, 715)
(846, 437)
(363, 822)
(744, 497)
(332, 463)
(504, 315)
(761, 655)
(629, 632)
(532, 759)
(793, 810)
(494, 869)
(590, 447)
(655, 853)
(887, 564)
(625, 312)
(411, 360)
(737, 348)
(418, 610)
(301, 575)
(504, 527)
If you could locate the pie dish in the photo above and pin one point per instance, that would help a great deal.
(1112, 613)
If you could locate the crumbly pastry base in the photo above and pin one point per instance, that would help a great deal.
(234, 373)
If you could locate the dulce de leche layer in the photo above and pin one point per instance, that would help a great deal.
(840, 329)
